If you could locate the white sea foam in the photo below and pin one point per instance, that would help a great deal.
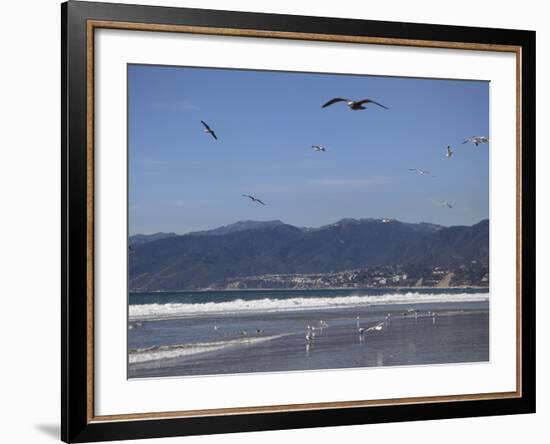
(176, 351)
(176, 310)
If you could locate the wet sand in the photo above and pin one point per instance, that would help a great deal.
(459, 333)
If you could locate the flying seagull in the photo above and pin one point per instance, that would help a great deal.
(353, 105)
(377, 327)
(209, 130)
(443, 203)
(253, 199)
(387, 221)
(477, 140)
(449, 152)
(419, 171)
(318, 148)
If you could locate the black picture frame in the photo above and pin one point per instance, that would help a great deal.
(77, 425)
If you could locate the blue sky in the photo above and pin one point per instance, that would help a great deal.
(181, 179)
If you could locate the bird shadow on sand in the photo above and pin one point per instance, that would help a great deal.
(51, 430)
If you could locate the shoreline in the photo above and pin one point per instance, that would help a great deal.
(458, 333)
(209, 290)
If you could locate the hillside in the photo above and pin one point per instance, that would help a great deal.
(200, 260)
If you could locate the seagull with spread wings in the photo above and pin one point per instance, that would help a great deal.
(353, 104)
(318, 148)
(476, 140)
(209, 130)
(377, 327)
(419, 171)
(443, 203)
(253, 199)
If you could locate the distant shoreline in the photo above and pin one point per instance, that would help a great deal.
(208, 290)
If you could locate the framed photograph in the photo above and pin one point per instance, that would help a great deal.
(276, 221)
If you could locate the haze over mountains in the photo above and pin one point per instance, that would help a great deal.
(165, 261)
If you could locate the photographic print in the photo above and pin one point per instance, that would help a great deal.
(254, 202)
(292, 221)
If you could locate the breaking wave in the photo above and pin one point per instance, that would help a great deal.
(143, 355)
(176, 310)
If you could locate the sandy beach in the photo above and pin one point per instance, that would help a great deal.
(395, 334)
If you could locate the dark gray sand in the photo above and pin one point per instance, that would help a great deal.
(260, 342)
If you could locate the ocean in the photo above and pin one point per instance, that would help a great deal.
(245, 331)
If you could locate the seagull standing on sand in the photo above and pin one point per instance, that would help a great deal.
(310, 334)
(476, 140)
(209, 130)
(353, 105)
(449, 152)
(419, 171)
(318, 148)
(253, 199)
(360, 329)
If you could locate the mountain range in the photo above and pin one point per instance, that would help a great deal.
(169, 262)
